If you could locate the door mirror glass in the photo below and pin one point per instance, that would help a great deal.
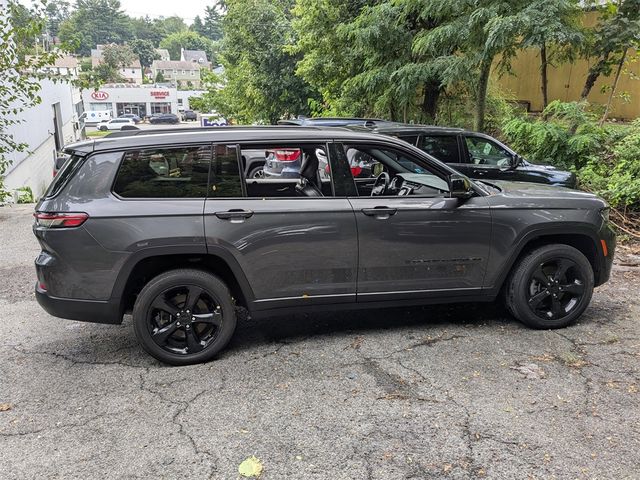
(460, 186)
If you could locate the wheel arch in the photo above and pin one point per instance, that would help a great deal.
(582, 239)
(147, 264)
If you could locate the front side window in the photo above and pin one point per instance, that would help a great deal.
(442, 147)
(402, 173)
(164, 173)
(485, 152)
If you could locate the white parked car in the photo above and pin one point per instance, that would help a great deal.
(115, 124)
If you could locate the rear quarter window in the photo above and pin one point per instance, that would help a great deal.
(67, 171)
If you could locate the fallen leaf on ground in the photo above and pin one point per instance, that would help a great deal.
(251, 467)
(5, 407)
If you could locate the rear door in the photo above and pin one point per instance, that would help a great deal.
(447, 148)
(293, 250)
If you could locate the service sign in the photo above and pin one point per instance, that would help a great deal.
(99, 95)
(160, 93)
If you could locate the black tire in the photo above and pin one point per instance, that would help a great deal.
(253, 173)
(103, 129)
(170, 337)
(550, 287)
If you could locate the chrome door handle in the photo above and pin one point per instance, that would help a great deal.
(381, 213)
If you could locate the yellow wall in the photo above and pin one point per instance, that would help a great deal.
(565, 82)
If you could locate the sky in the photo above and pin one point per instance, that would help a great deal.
(187, 9)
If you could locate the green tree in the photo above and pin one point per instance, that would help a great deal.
(325, 57)
(212, 24)
(618, 30)
(144, 28)
(118, 56)
(261, 85)
(20, 82)
(172, 25)
(57, 11)
(556, 32)
(95, 22)
(359, 56)
(145, 51)
(189, 41)
(159, 77)
(197, 25)
(476, 34)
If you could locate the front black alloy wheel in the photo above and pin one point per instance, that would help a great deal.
(550, 287)
(183, 317)
(556, 288)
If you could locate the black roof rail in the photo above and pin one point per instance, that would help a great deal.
(131, 132)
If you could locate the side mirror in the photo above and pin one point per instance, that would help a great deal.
(515, 161)
(459, 186)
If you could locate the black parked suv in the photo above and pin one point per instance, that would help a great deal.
(166, 225)
(475, 154)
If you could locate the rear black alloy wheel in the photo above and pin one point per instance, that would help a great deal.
(550, 287)
(185, 316)
(184, 320)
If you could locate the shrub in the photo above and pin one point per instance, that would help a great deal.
(606, 159)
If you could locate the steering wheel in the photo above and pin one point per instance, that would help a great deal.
(381, 184)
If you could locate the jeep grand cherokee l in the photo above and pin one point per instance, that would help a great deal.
(166, 225)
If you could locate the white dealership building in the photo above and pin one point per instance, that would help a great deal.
(141, 100)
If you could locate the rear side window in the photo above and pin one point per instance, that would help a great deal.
(444, 148)
(164, 173)
(63, 175)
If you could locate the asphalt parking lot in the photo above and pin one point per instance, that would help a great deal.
(440, 392)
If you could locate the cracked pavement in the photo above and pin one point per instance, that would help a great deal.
(437, 392)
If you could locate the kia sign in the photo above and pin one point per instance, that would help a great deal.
(160, 93)
(99, 95)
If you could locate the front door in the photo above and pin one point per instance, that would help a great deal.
(293, 249)
(419, 246)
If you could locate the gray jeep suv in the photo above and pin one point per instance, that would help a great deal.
(166, 225)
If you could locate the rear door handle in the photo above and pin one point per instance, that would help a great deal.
(381, 213)
(235, 215)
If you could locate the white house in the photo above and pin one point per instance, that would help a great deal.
(65, 66)
(46, 128)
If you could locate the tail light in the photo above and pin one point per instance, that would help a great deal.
(287, 155)
(60, 220)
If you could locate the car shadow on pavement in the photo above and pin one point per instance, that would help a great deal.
(290, 328)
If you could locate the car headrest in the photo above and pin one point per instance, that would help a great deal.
(309, 167)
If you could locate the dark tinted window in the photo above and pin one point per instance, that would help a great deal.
(63, 175)
(486, 152)
(164, 173)
(444, 148)
(225, 174)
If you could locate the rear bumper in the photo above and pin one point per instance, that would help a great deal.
(93, 311)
